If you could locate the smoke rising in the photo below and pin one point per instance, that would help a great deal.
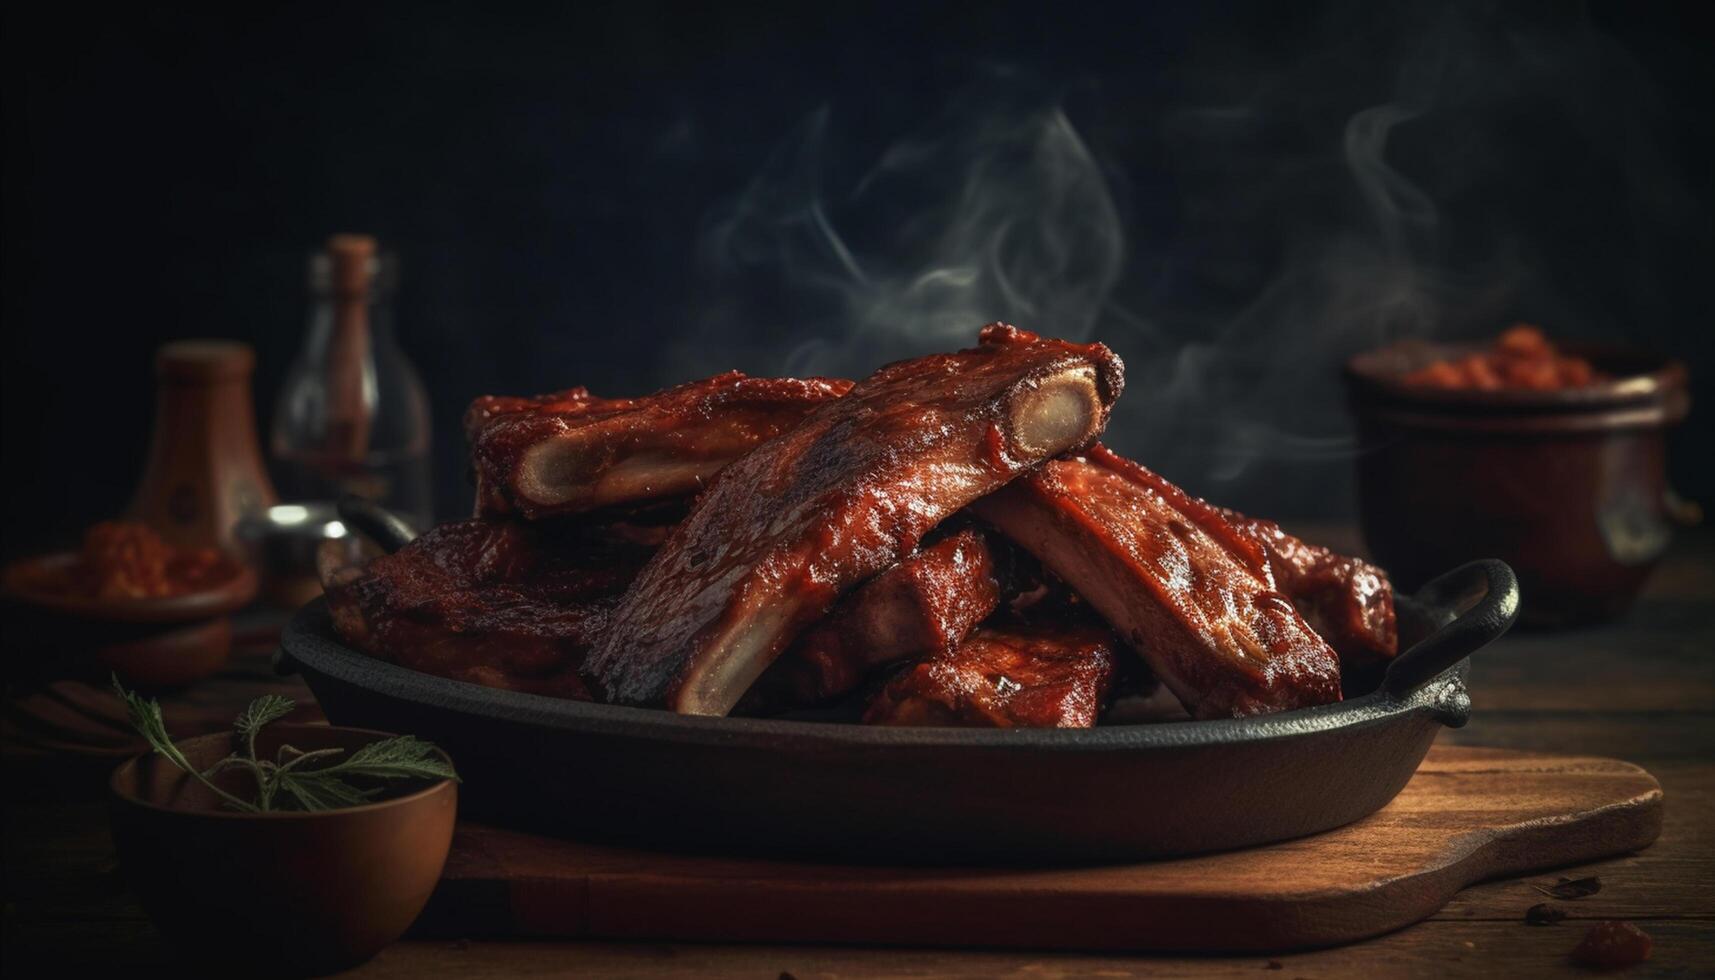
(994, 209)
(1234, 246)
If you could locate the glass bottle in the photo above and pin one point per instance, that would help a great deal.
(352, 416)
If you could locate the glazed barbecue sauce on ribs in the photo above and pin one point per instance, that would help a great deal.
(497, 603)
(921, 607)
(1193, 595)
(1049, 675)
(785, 530)
(572, 452)
(1346, 600)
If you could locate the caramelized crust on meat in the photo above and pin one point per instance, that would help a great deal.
(572, 452)
(921, 607)
(1347, 600)
(1193, 595)
(496, 603)
(787, 529)
(1043, 676)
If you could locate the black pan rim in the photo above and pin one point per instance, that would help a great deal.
(309, 639)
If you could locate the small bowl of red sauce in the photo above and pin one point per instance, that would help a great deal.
(1551, 457)
(126, 602)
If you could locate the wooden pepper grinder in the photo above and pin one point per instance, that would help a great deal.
(205, 467)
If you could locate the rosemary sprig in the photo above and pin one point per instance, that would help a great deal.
(271, 707)
(146, 718)
(287, 778)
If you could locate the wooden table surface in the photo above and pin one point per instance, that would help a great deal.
(1641, 690)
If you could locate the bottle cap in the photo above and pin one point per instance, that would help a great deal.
(351, 265)
(204, 360)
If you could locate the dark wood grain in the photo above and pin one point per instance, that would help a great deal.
(1633, 690)
(1671, 882)
(1432, 950)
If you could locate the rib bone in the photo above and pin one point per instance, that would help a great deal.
(921, 607)
(780, 534)
(571, 452)
(1188, 591)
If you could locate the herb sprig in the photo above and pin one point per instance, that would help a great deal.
(289, 781)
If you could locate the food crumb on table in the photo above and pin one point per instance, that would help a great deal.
(1611, 944)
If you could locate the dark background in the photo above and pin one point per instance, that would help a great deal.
(553, 182)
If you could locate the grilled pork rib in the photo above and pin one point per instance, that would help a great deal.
(1054, 675)
(919, 608)
(1192, 594)
(572, 452)
(785, 530)
(497, 603)
(1346, 600)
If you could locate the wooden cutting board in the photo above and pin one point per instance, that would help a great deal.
(1469, 814)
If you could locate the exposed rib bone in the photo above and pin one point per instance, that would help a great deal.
(784, 531)
(921, 607)
(1189, 592)
(571, 451)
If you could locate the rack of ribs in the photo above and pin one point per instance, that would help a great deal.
(1191, 593)
(1047, 675)
(785, 530)
(923, 606)
(572, 452)
(493, 602)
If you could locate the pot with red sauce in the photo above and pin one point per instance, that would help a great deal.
(1553, 459)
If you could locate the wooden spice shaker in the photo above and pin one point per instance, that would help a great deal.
(205, 468)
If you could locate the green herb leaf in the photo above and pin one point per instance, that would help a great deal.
(286, 780)
(146, 718)
(315, 791)
(269, 707)
(400, 757)
(265, 709)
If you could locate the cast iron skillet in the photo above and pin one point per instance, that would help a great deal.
(929, 795)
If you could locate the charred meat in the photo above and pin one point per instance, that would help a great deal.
(1191, 593)
(787, 529)
(572, 452)
(1048, 675)
(923, 606)
(497, 603)
(1347, 600)
(767, 545)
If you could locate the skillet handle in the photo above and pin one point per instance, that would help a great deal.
(376, 522)
(1481, 600)
(283, 663)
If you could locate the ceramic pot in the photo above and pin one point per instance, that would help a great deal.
(1568, 487)
(286, 893)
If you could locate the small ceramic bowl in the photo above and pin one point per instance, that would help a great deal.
(152, 644)
(1569, 487)
(284, 893)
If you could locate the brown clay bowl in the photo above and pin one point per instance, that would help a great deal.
(153, 644)
(1568, 487)
(285, 893)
